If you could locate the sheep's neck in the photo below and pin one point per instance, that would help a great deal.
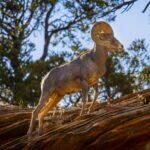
(101, 56)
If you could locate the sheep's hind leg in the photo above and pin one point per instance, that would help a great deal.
(84, 86)
(52, 103)
(95, 97)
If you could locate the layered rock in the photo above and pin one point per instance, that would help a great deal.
(123, 124)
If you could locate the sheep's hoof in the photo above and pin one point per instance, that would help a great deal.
(29, 133)
(40, 132)
(81, 113)
(89, 111)
(78, 118)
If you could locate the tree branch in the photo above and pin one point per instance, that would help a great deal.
(68, 25)
(118, 7)
(47, 37)
(147, 5)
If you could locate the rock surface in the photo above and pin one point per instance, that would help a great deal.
(124, 124)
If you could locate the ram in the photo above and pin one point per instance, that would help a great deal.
(79, 74)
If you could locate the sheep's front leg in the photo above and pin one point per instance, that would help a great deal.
(84, 86)
(35, 113)
(52, 103)
(95, 97)
(33, 118)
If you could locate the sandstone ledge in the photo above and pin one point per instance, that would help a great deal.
(123, 125)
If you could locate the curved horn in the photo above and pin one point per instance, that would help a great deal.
(100, 28)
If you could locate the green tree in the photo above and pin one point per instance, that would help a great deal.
(125, 71)
(18, 19)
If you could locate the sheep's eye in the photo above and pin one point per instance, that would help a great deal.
(100, 38)
(97, 35)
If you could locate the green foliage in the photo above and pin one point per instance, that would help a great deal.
(16, 49)
(145, 75)
(127, 72)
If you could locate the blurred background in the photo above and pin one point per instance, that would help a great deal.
(37, 35)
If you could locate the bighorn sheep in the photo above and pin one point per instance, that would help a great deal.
(79, 74)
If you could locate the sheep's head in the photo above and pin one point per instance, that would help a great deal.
(102, 34)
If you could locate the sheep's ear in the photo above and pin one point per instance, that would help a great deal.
(99, 29)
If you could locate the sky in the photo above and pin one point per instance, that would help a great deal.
(133, 24)
(127, 27)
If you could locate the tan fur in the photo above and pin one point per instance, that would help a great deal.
(80, 74)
